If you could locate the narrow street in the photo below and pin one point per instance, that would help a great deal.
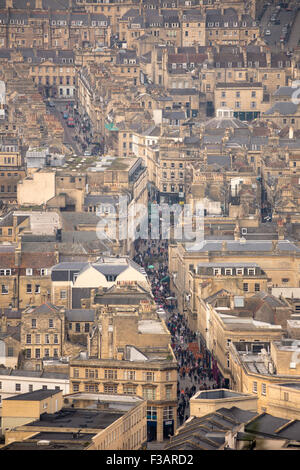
(194, 372)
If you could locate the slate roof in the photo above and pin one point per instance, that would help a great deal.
(44, 308)
(282, 107)
(285, 91)
(208, 432)
(85, 315)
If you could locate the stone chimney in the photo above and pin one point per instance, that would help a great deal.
(38, 4)
(3, 323)
(8, 3)
(291, 132)
(268, 58)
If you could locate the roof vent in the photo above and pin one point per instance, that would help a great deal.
(43, 443)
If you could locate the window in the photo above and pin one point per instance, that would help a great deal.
(30, 388)
(263, 389)
(33, 323)
(47, 352)
(28, 339)
(149, 376)
(129, 374)
(251, 272)
(110, 388)
(5, 272)
(28, 289)
(245, 287)
(86, 327)
(63, 294)
(37, 289)
(110, 374)
(28, 272)
(149, 393)
(228, 272)
(38, 339)
(169, 392)
(18, 387)
(240, 271)
(10, 351)
(55, 339)
(168, 413)
(129, 389)
(77, 327)
(43, 272)
(44, 387)
(151, 413)
(76, 373)
(47, 339)
(217, 271)
(51, 325)
(286, 396)
(4, 289)
(75, 387)
(254, 387)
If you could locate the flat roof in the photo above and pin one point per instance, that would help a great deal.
(34, 445)
(37, 395)
(151, 327)
(217, 394)
(77, 419)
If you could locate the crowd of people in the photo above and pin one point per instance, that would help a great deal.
(194, 372)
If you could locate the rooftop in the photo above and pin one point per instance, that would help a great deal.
(37, 395)
(77, 419)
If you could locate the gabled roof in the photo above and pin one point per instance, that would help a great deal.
(44, 308)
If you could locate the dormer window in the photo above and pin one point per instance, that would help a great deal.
(217, 271)
(228, 271)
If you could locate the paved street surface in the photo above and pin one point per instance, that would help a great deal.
(193, 372)
(286, 18)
